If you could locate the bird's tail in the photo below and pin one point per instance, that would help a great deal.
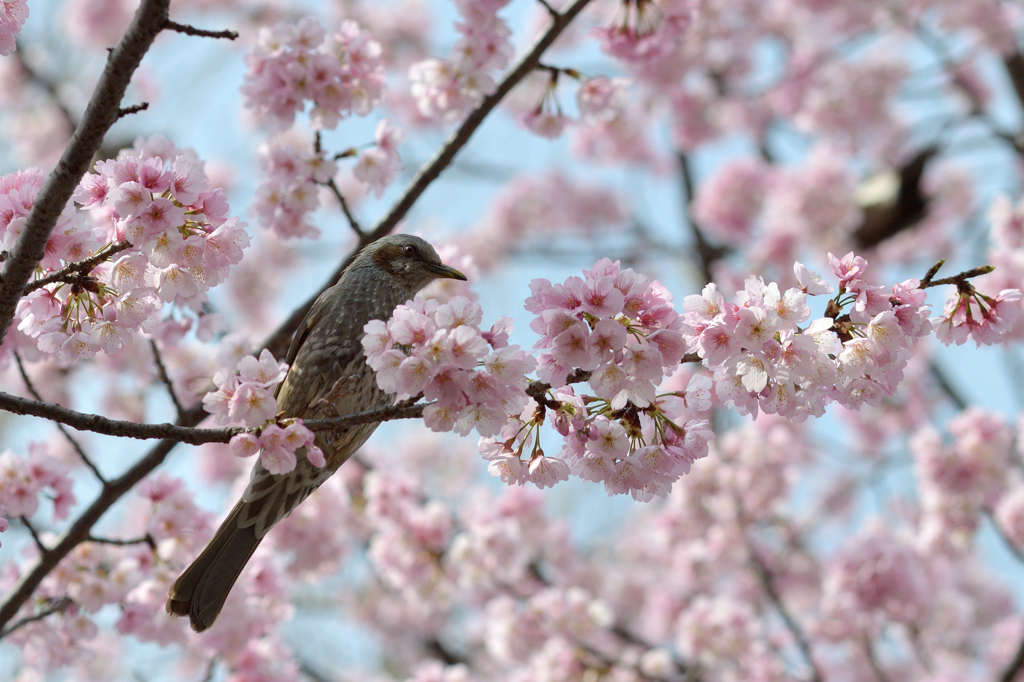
(201, 590)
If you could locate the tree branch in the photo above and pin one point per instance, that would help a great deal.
(100, 114)
(187, 434)
(57, 606)
(162, 371)
(353, 223)
(35, 536)
(768, 583)
(1009, 673)
(705, 253)
(71, 439)
(79, 269)
(47, 85)
(133, 109)
(201, 32)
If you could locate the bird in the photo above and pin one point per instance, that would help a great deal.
(327, 376)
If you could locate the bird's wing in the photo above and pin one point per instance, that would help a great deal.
(299, 338)
(269, 498)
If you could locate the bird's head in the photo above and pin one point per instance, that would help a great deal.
(410, 260)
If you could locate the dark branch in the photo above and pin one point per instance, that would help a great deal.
(145, 539)
(162, 371)
(705, 253)
(887, 219)
(551, 10)
(186, 434)
(946, 385)
(56, 607)
(71, 439)
(353, 223)
(959, 278)
(1009, 673)
(100, 114)
(133, 109)
(79, 269)
(49, 86)
(43, 550)
(201, 32)
(768, 583)
(932, 271)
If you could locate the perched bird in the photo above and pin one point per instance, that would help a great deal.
(327, 376)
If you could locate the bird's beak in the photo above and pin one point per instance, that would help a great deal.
(445, 272)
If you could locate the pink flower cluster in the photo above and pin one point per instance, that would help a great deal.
(246, 395)
(475, 377)
(23, 479)
(763, 359)
(340, 73)
(614, 323)
(379, 165)
(543, 207)
(646, 31)
(72, 238)
(603, 109)
(13, 14)
(410, 535)
(158, 199)
(620, 328)
(876, 578)
(516, 631)
(960, 480)
(289, 194)
(446, 89)
(277, 446)
(995, 317)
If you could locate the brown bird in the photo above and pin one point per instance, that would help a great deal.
(327, 376)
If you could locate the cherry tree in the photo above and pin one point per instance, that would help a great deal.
(693, 417)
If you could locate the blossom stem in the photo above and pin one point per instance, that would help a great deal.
(201, 32)
(162, 371)
(74, 271)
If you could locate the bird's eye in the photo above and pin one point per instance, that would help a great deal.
(409, 249)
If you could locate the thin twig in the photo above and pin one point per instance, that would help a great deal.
(869, 649)
(100, 114)
(705, 254)
(133, 109)
(946, 385)
(145, 539)
(185, 434)
(43, 550)
(201, 32)
(551, 10)
(162, 371)
(932, 271)
(67, 435)
(802, 642)
(57, 606)
(1009, 673)
(78, 269)
(46, 84)
(1014, 550)
(353, 223)
(959, 278)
